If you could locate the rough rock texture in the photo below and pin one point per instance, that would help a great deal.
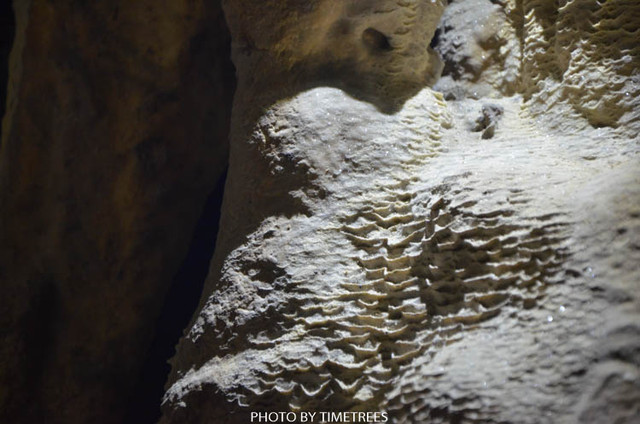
(376, 49)
(115, 133)
(583, 58)
(444, 261)
(479, 44)
(577, 59)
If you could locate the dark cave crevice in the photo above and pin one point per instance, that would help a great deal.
(7, 35)
(209, 60)
(180, 304)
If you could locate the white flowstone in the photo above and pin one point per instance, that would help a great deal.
(397, 260)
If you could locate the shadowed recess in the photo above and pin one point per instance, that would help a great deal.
(8, 28)
(180, 304)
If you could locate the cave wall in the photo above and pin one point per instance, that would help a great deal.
(114, 136)
(575, 62)
(466, 253)
(431, 209)
(582, 57)
(480, 44)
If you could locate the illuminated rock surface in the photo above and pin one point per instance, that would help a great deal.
(465, 256)
(432, 210)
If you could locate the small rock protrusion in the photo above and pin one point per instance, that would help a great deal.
(488, 121)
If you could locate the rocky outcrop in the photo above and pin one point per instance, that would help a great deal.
(574, 61)
(431, 210)
(386, 249)
(114, 135)
(479, 43)
(582, 58)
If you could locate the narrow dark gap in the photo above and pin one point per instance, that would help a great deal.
(181, 302)
(7, 35)
(209, 79)
(436, 38)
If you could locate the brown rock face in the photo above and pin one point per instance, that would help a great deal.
(375, 49)
(115, 132)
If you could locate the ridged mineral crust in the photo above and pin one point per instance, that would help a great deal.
(480, 45)
(583, 57)
(445, 261)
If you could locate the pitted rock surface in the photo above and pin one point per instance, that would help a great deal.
(391, 258)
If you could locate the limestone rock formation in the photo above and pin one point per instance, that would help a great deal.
(581, 58)
(432, 208)
(380, 254)
(115, 134)
(479, 44)
(576, 59)
(373, 47)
